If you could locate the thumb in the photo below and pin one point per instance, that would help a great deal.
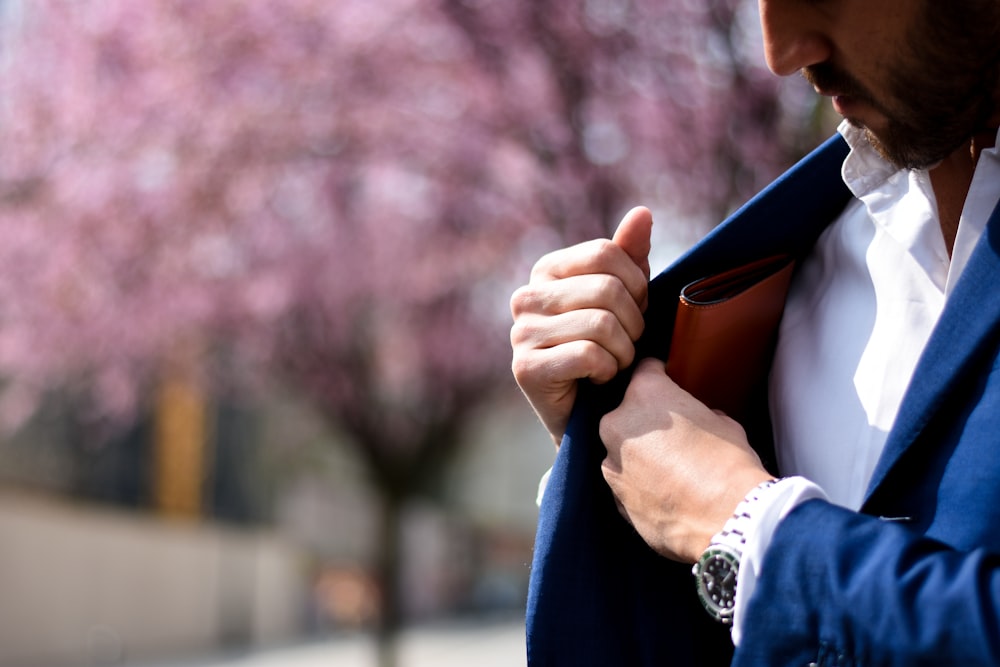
(633, 236)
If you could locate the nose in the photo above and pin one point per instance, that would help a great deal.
(794, 36)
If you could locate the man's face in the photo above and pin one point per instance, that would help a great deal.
(926, 87)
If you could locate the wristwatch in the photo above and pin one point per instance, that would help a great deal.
(717, 571)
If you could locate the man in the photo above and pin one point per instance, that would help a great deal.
(880, 543)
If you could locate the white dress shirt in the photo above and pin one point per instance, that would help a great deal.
(857, 319)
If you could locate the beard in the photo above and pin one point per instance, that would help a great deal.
(941, 91)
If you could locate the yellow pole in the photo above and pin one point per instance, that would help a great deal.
(180, 434)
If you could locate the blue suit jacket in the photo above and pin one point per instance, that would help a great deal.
(838, 587)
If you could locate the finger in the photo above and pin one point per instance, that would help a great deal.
(544, 370)
(595, 327)
(652, 366)
(650, 385)
(587, 292)
(651, 370)
(597, 257)
(655, 370)
(634, 236)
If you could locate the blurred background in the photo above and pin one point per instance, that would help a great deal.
(255, 263)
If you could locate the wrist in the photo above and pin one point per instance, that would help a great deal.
(717, 569)
(728, 500)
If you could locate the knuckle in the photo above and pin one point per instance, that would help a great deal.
(616, 346)
(604, 324)
(525, 369)
(552, 264)
(550, 258)
(601, 365)
(522, 299)
(536, 299)
(609, 288)
(603, 252)
(627, 357)
(519, 367)
(604, 428)
(606, 471)
(519, 333)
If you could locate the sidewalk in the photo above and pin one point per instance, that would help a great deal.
(483, 645)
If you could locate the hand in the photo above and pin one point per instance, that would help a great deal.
(579, 317)
(676, 468)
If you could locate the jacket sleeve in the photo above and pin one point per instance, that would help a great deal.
(842, 588)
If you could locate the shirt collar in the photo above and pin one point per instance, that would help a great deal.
(881, 186)
(899, 202)
(864, 169)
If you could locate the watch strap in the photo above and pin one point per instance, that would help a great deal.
(717, 571)
(733, 533)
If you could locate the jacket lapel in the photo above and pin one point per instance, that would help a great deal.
(968, 324)
(785, 218)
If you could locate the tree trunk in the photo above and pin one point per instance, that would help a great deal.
(388, 563)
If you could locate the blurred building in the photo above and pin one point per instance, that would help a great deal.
(92, 573)
(92, 585)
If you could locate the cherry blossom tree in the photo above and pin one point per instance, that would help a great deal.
(339, 195)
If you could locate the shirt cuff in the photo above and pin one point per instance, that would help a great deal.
(771, 506)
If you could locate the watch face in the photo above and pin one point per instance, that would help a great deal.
(716, 577)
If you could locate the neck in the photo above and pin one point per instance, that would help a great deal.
(951, 179)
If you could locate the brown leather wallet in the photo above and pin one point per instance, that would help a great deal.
(725, 331)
